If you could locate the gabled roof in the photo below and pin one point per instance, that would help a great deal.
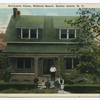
(61, 22)
(48, 23)
(30, 21)
(11, 32)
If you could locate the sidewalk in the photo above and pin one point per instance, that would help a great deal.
(35, 95)
(63, 92)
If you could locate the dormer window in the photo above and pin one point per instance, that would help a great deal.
(67, 33)
(33, 33)
(29, 33)
(25, 33)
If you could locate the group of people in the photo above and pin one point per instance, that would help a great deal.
(60, 80)
(50, 83)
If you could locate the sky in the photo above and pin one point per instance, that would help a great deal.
(6, 13)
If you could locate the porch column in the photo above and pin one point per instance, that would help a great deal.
(64, 66)
(56, 65)
(36, 66)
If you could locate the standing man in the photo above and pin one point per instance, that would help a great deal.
(53, 70)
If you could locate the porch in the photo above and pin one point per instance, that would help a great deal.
(28, 67)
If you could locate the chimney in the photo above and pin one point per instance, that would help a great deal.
(16, 12)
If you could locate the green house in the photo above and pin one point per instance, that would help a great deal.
(34, 44)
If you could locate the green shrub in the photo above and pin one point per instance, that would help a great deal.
(86, 67)
(16, 83)
(91, 77)
(82, 89)
(13, 90)
(69, 79)
(5, 68)
(10, 90)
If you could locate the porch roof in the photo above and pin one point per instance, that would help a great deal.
(37, 48)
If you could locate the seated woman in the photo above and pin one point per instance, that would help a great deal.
(52, 85)
(35, 83)
(61, 82)
(42, 85)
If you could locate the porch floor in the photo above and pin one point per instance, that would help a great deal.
(45, 77)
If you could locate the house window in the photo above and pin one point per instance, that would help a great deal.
(72, 33)
(67, 33)
(63, 33)
(71, 63)
(24, 63)
(33, 33)
(20, 63)
(29, 33)
(76, 61)
(25, 33)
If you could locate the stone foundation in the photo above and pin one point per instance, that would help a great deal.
(22, 77)
(28, 77)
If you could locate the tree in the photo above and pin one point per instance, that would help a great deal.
(5, 68)
(89, 25)
(89, 19)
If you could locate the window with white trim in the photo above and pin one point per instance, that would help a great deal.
(29, 33)
(67, 33)
(72, 63)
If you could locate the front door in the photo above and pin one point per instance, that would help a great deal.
(47, 63)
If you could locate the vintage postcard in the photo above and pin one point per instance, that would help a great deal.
(49, 50)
